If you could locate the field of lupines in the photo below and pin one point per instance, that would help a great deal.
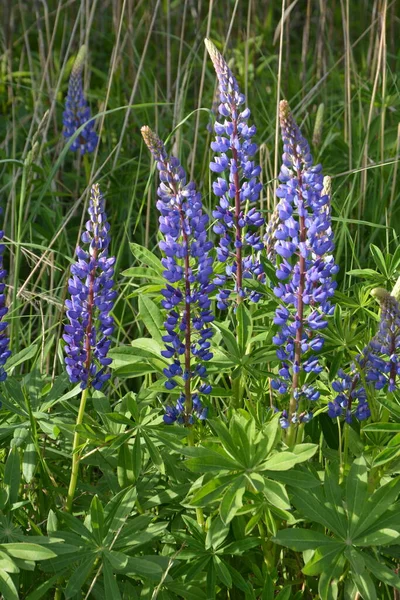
(200, 318)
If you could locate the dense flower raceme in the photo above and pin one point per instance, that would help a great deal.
(239, 242)
(87, 335)
(304, 265)
(77, 111)
(4, 340)
(188, 269)
(379, 363)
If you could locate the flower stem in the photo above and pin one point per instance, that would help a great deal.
(238, 237)
(199, 511)
(75, 455)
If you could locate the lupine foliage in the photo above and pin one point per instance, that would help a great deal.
(216, 414)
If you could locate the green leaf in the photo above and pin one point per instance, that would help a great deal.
(210, 460)
(216, 534)
(379, 259)
(29, 462)
(12, 474)
(146, 257)
(281, 461)
(232, 446)
(382, 427)
(97, 519)
(381, 572)
(377, 505)
(356, 491)
(78, 578)
(244, 326)
(7, 587)
(333, 494)
(111, 589)
(324, 556)
(312, 506)
(154, 453)
(302, 539)
(133, 565)
(365, 585)
(222, 571)
(304, 451)
(152, 318)
(125, 466)
(297, 478)
(20, 357)
(276, 494)
(41, 590)
(28, 551)
(381, 537)
(229, 340)
(137, 457)
(211, 490)
(232, 499)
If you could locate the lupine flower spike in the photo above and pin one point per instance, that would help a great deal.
(188, 269)
(379, 362)
(305, 265)
(87, 335)
(77, 111)
(4, 340)
(239, 242)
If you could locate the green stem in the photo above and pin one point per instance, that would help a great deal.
(340, 450)
(75, 454)
(199, 511)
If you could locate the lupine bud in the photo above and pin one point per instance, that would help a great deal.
(4, 340)
(90, 286)
(188, 269)
(305, 265)
(77, 111)
(233, 144)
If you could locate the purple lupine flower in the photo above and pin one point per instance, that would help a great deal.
(350, 390)
(236, 226)
(188, 269)
(383, 351)
(4, 340)
(87, 335)
(379, 361)
(77, 111)
(304, 263)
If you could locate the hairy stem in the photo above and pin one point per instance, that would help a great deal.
(238, 235)
(75, 454)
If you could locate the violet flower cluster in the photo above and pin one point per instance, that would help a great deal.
(87, 335)
(188, 269)
(236, 227)
(379, 363)
(304, 265)
(4, 340)
(77, 111)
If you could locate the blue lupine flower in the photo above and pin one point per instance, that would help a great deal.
(238, 245)
(350, 390)
(304, 263)
(4, 340)
(87, 335)
(379, 361)
(383, 351)
(188, 269)
(77, 111)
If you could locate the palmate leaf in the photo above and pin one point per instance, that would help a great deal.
(327, 584)
(356, 492)
(232, 499)
(377, 505)
(323, 557)
(381, 572)
(312, 505)
(111, 589)
(302, 539)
